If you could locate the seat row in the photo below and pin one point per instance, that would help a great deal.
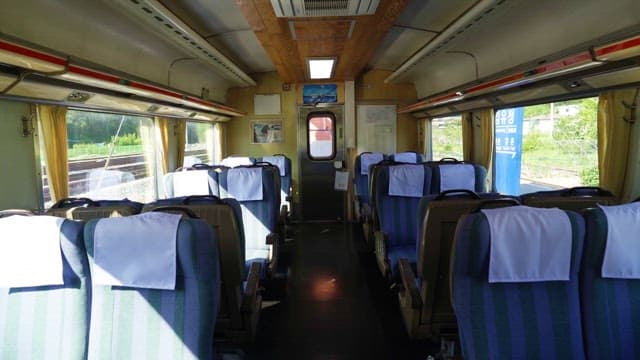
(238, 269)
(145, 286)
(548, 283)
(256, 188)
(395, 191)
(425, 296)
(282, 162)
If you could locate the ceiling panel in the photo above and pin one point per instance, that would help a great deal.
(398, 45)
(208, 17)
(433, 15)
(290, 42)
(222, 24)
(247, 48)
(331, 30)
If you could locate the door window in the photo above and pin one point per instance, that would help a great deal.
(321, 136)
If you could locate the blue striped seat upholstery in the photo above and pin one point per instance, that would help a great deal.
(610, 307)
(213, 174)
(50, 322)
(135, 323)
(530, 320)
(259, 219)
(397, 219)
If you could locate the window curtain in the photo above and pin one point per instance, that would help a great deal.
(217, 143)
(221, 144)
(467, 136)
(164, 130)
(210, 139)
(485, 157)
(53, 128)
(181, 136)
(617, 143)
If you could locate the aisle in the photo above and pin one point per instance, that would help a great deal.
(328, 313)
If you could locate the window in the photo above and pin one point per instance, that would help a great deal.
(199, 143)
(111, 156)
(446, 137)
(321, 136)
(547, 146)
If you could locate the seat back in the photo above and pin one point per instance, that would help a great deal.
(192, 181)
(224, 216)
(455, 169)
(259, 217)
(610, 310)
(410, 157)
(283, 164)
(362, 175)
(233, 161)
(574, 199)
(437, 218)
(396, 214)
(136, 323)
(86, 209)
(507, 320)
(49, 321)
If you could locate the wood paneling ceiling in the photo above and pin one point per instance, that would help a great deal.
(289, 42)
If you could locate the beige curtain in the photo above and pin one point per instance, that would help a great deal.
(181, 136)
(53, 130)
(217, 143)
(467, 136)
(164, 131)
(616, 164)
(485, 156)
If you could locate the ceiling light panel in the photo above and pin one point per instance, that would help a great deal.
(321, 68)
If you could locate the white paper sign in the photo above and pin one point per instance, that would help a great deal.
(342, 181)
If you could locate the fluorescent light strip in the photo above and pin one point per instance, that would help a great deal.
(320, 68)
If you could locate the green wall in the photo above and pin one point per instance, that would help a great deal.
(19, 181)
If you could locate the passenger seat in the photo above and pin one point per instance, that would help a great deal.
(574, 199)
(515, 286)
(257, 189)
(86, 209)
(610, 282)
(424, 300)
(50, 320)
(155, 287)
(397, 191)
(240, 300)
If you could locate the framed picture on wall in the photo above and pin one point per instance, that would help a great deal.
(266, 131)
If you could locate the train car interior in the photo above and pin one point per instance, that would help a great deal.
(319, 179)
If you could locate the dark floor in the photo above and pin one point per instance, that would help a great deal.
(337, 305)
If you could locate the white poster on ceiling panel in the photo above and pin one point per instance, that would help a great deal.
(376, 128)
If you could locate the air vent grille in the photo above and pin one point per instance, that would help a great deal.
(315, 8)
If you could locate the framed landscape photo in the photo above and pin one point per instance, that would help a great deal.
(266, 131)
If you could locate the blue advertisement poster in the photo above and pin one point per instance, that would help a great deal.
(508, 150)
(314, 94)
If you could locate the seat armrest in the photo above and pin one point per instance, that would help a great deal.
(381, 238)
(283, 214)
(410, 290)
(272, 239)
(380, 245)
(250, 295)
